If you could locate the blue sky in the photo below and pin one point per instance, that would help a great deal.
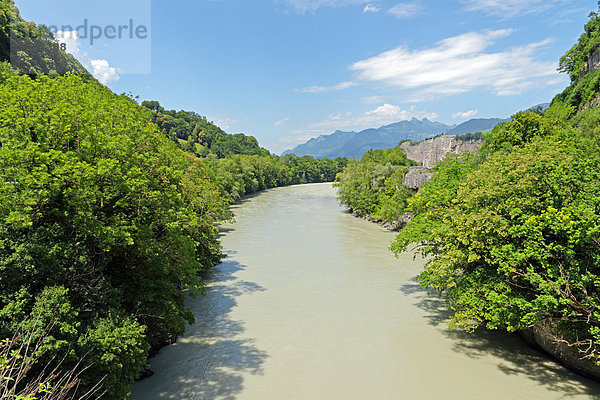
(288, 70)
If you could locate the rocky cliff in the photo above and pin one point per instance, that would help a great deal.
(431, 151)
(591, 65)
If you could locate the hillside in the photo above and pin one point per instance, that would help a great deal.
(31, 49)
(194, 134)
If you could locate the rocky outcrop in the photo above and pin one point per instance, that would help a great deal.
(416, 177)
(546, 336)
(390, 226)
(592, 64)
(431, 151)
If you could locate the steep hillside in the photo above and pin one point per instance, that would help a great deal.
(31, 49)
(194, 134)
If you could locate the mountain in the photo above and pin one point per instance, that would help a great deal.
(352, 144)
(541, 107)
(389, 135)
(323, 145)
(476, 125)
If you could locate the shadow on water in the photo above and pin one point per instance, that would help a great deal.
(517, 357)
(212, 356)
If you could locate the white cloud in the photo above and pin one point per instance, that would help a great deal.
(465, 114)
(372, 99)
(459, 64)
(382, 115)
(104, 72)
(405, 10)
(370, 8)
(281, 122)
(99, 68)
(303, 6)
(385, 110)
(510, 8)
(321, 89)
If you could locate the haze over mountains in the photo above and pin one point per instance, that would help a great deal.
(355, 144)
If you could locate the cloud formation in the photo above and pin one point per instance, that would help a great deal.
(405, 10)
(510, 8)
(370, 8)
(309, 6)
(104, 72)
(465, 114)
(459, 64)
(382, 115)
(281, 122)
(100, 68)
(321, 89)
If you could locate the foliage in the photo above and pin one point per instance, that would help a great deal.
(582, 93)
(375, 186)
(194, 134)
(585, 82)
(512, 235)
(31, 49)
(97, 203)
(238, 175)
(467, 137)
(574, 61)
(525, 125)
(25, 374)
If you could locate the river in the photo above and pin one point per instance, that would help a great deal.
(310, 304)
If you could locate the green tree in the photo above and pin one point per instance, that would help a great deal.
(96, 202)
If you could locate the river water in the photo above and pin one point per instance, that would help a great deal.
(310, 304)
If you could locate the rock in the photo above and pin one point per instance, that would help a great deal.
(416, 177)
(144, 374)
(431, 151)
(546, 336)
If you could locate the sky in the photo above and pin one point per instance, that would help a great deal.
(285, 71)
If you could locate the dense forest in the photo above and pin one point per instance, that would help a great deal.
(511, 233)
(194, 134)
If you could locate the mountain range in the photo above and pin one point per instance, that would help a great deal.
(355, 144)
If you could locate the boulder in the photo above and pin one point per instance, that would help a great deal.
(545, 335)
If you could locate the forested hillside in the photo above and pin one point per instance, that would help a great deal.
(30, 48)
(194, 134)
